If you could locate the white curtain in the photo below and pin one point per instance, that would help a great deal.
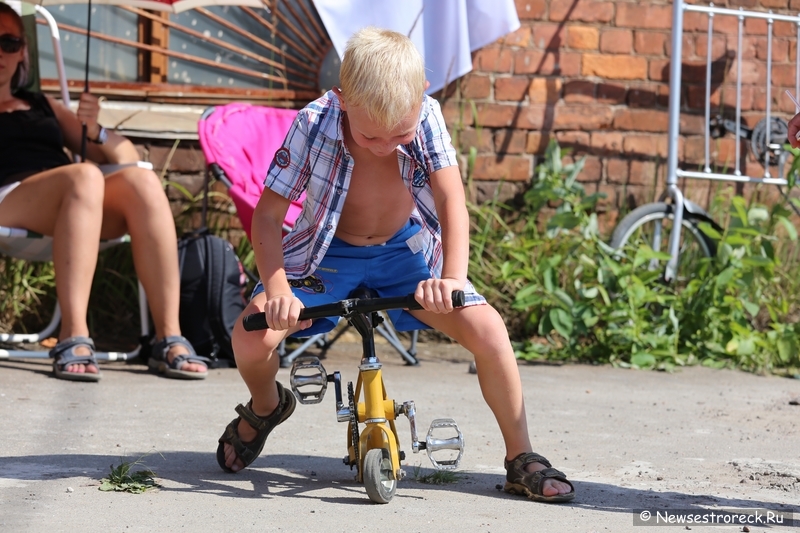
(444, 31)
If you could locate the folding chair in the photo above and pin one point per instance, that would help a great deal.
(30, 246)
(239, 141)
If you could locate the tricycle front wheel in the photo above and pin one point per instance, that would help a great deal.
(379, 477)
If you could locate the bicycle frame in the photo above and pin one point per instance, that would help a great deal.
(672, 191)
(369, 403)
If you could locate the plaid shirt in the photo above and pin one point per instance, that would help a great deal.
(314, 159)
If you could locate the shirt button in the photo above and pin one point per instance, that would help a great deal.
(338, 190)
(315, 257)
(329, 226)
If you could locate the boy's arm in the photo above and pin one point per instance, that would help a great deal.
(282, 308)
(448, 194)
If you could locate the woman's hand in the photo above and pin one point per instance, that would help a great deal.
(88, 111)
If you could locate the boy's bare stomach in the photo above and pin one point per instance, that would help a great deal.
(373, 223)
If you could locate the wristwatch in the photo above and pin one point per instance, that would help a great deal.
(102, 136)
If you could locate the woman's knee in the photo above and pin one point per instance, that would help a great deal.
(85, 182)
(140, 184)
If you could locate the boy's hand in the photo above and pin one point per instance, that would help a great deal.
(794, 129)
(435, 295)
(282, 312)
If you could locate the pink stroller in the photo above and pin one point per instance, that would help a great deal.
(239, 141)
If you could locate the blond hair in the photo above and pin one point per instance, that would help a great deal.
(383, 73)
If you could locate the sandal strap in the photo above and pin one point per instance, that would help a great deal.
(161, 348)
(64, 352)
(518, 463)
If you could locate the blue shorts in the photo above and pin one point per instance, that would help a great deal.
(390, 269)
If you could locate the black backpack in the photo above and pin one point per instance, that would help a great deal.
(212, 294)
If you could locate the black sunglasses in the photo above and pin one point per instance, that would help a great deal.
(10, 44)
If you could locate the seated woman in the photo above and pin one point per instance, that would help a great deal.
(43, 191)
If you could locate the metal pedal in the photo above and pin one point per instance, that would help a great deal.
(307, 372)
(434, 444)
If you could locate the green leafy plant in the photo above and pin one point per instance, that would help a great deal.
(123, 478)
(437, 477)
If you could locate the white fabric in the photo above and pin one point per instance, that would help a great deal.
(5, 189)
(445, 34)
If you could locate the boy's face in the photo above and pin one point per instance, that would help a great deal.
(378, 140)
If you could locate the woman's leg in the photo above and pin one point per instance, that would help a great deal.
(135, 203)
(65, 203)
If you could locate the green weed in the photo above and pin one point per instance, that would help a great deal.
(437, 477)
(123, 478)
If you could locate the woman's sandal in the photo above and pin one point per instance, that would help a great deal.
(247, 452)
(160, 363)
(530, 484)
(63, 355)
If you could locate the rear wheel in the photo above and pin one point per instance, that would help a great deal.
(378, 475)
(651, 225)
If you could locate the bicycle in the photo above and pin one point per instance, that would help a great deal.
(374, 451)
(648, 223)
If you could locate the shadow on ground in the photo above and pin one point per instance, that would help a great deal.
(298, 476)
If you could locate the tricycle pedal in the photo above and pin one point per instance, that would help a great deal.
(434, 444)
(307, 372)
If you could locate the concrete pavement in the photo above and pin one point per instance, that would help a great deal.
(694, 440)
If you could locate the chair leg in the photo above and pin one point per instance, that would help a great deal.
(51, 327)
(387, 331)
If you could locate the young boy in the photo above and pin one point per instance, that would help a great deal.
(384, 208)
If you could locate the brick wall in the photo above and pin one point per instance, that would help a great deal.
(595, 75)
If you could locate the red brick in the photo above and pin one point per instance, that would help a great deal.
(649, 43)
(453, 112)
(511, 89)
(582, 117)
(687, 47)
(694, 22)
(185, 159)
(582, 10)
(579, 92)
(643, 173)
(508, 141)
(548, 36)
(617, 170)
(794, 5)
(493, 58)
(755, 26)
(529, 117)
(719, 46)
(782, 75)
(635, 15)
(753, 72)
(531, 9)
(606, 141)
(609, 197)
(775, 4)
(480, 139)
(641, 120)
(509, 168)
(642, 95)
(695, 150)
(544, 90)
(521, 37)
(784, 29)
(583, 37)
(615, 67)
(726, 24)
(573, 139)
(547, 63)
(692, 124)
(592, 170)
(645, 145)
(658, 69)
(611, 93)
(536, 143)
(476, 86)
(616, 41)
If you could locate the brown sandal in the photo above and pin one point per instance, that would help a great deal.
(247, 452)
(530, 484)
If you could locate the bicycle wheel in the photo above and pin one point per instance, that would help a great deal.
(641, 226)
(378, 476)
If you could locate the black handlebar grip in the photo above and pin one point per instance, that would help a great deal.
(458, 298)
(255, 322)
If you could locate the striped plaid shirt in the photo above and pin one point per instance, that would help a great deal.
(314, 159)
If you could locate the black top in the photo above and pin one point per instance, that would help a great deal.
(30, 141)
